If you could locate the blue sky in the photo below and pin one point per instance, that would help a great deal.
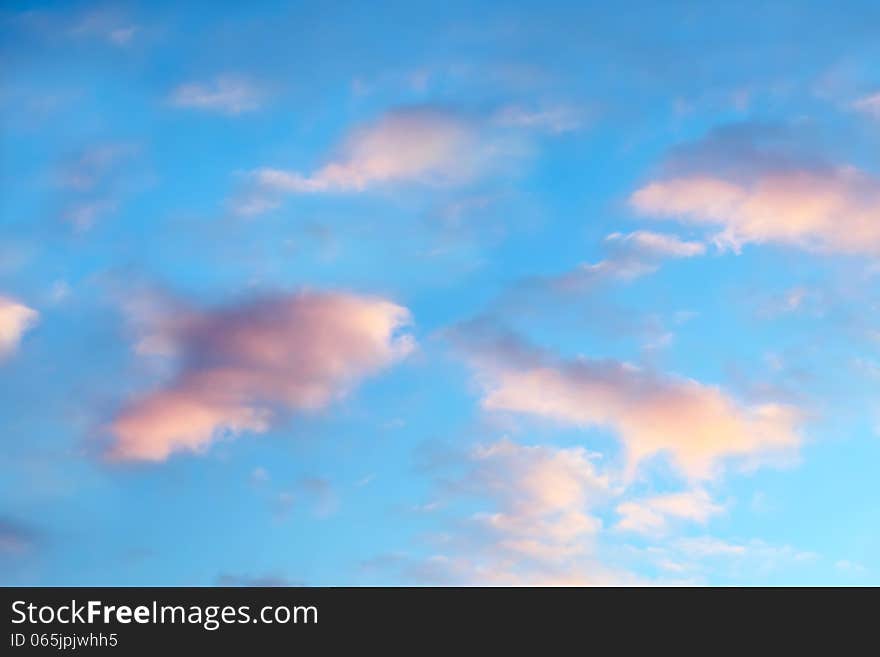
(439, 293)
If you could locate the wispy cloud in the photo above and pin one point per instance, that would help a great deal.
(653, 515)
(632, 255)
(869, 105)
(109, 26)
(532, 525)
(88, 168)
(554, 119)
(742, 558)
(322, 494)
(424, 145)
(407, 145)
(94, 181)
(238, 364)
(226, 94)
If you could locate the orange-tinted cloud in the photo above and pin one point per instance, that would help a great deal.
(238, 366)
(15, 320)
(696, 425)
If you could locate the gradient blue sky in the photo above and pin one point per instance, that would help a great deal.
(439, 293)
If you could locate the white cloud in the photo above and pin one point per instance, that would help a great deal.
(106, 25)
(852, 567)
(555, 119)
(653, 515)
(227, 94)
(869, 105)
(122, 36)
(766, 555)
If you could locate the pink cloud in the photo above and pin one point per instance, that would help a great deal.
(15, 320)
(239, 366)
(541, 495)
(632, 255)
(406, 145)
(759, 194)
(696, 425)
(533, 524)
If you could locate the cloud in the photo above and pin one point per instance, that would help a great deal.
(652, 515)
(227, 94)
(88, 168)
(755, 550)
(632, 255)
(411, 145)
(741, 561)
(555, 119)
(529, 515)
(869, 105)
(259, 475)
(84, 215)
(540, 495)
(798, 299)
(238, 366)
(696, 425)
(15, 320)
(94, 180)
(108, 26)
(792, 300)
(16, 538)
(852, 567)
(648, 243)
(759, 193)
(531, 523)
(322, 494)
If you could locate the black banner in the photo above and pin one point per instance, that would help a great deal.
(131, 621)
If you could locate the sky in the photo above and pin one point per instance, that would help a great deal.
(439, 293)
